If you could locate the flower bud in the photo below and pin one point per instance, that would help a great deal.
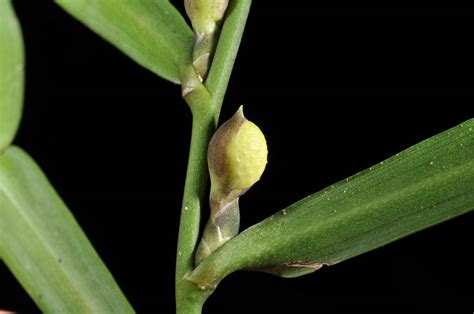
(205, 14)
(237, 157)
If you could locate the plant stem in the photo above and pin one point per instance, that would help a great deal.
(226, 52)
(195, 184)
(205, 103)
(190, 299)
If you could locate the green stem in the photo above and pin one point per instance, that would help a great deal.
(189, 298)
(205, 102)
(226, 52)
(196, 179)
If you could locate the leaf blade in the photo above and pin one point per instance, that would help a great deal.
(151, 32)
(424, 185)
(11, 74)
(45, 248)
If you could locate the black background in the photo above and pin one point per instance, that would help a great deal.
(335, 90)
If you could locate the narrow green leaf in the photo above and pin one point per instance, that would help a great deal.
(46, 249)
(151, 32)
(11, 74)
(422, 186)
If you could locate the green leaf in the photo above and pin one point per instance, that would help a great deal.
(46, 249)
(424, 185)
(11, 74)
(151, 32)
